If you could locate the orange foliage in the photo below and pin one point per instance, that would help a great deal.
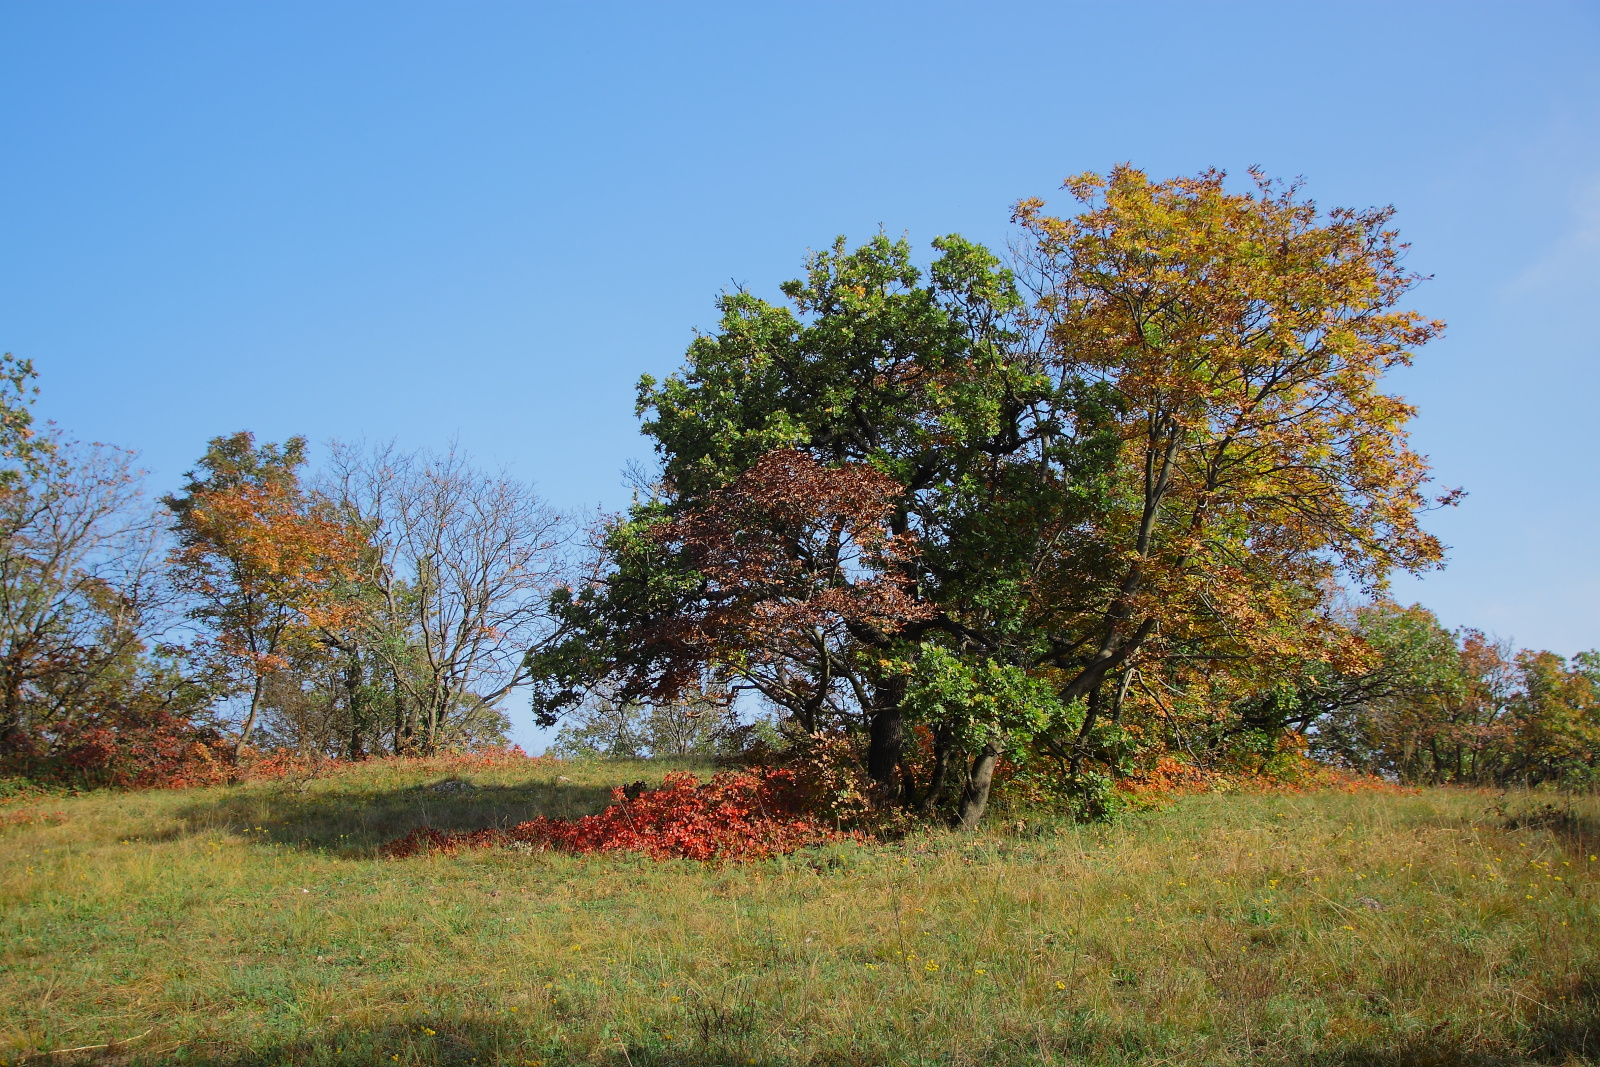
(1168, 777)
(262, 548)
(1246, 337)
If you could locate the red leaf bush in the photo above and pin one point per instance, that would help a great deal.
(125, 749)
(735, 816)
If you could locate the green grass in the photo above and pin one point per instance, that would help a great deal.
(255, 924)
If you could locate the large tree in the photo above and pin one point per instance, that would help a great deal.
(1242, 337)
(815, 461)
(1165, 457)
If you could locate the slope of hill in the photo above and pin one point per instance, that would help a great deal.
(256, 924)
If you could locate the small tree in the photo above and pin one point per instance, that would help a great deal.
(700, 723)
(259, 560)
(603, 727)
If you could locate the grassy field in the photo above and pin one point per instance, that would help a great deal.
(255, 924)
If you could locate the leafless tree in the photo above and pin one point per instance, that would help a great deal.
(694, 724)
(466, 560)
(604, 725)
(80, 585)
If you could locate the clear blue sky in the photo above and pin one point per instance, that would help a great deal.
(486, 220)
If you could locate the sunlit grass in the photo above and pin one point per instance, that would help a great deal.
(255, 924)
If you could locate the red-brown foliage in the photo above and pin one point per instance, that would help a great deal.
(792, 556)
(130, 750)
(735, 816)
(123, 749)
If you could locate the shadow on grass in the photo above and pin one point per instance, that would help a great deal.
(1576, 829)
(342, 817)
(726, 1039)
(435, 1043)
(1567, 1036)
(1441, 1052)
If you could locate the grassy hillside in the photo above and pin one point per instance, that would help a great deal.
(255, 924)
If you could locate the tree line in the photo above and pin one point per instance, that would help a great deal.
(1134, 490)
(385, 604)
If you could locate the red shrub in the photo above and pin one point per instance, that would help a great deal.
(254, 765)
(128, 750)
(735, 816)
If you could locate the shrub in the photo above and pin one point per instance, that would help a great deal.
(735, 816)
(125, 749)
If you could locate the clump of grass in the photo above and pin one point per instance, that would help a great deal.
(255, 924)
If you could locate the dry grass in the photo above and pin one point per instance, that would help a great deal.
(254, 924)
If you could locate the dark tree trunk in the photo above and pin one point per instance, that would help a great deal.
(945, 755)
(975, 797)
(14, 740)
(353, 683)
(888, 730)
(1089, 717)
(887, 739)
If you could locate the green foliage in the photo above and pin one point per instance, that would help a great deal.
(1436, 706)
(924, 376)
(237, 462)
(600, 624)
(22, 450)
(870, 363)
(983, 702)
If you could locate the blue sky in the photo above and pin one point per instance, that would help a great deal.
(485, 221)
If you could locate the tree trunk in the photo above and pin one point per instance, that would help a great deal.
(888, 729)
(402, 723)
(353, 682)
(250, 716)
(945, 754)
(1122, 694)
(884, 754)
(14, 740)
(975, 797)
(430, 731)
(1089, 717)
